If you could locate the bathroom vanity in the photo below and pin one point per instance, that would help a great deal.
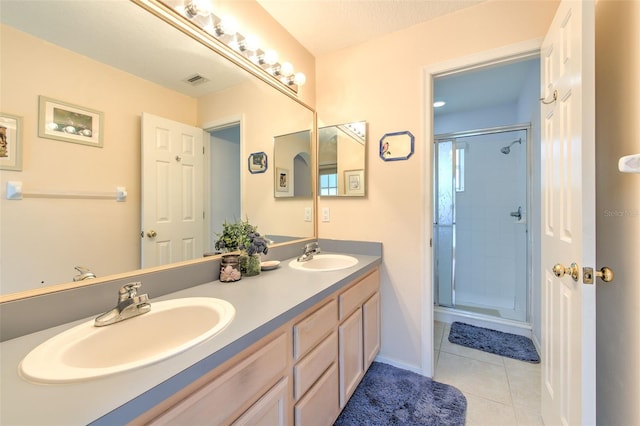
(298, 346)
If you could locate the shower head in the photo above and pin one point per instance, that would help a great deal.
(507, 149)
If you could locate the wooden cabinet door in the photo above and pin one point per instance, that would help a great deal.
(350, 355)
(371, 324)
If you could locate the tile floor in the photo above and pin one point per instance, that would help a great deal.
(499, 390)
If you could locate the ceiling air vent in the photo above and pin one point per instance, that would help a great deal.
(195, 80)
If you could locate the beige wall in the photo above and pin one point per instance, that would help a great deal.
(381, 82)
(43, 239)
(617, 211)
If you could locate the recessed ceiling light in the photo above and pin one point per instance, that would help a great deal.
(438, 104)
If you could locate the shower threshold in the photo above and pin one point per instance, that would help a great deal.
(450, 315)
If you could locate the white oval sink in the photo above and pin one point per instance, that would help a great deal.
(85, 352)
(325, 262)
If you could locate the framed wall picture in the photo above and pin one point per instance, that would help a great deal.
(70, 123)
(354, 182)
(10, 142)
(282, 179)
(257, 162)
(397, 146)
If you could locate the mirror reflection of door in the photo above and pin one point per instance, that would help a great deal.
(172, 207)
(302, 175)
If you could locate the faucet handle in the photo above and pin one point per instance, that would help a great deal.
(129, 291)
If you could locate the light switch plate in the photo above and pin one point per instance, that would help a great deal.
(308, 217)
(326, 214)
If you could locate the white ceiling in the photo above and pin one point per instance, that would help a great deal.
(324, 26)
(484, 87)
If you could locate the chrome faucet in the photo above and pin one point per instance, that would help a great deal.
(310, 249)
(129, 305)
(84, 274)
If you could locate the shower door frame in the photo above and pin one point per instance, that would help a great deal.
(454, 136)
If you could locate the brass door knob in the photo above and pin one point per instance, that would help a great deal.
(605, 274)
(560, 271)
(151, 234)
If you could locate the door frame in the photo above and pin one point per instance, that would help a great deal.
(209, 127)
(495, 56)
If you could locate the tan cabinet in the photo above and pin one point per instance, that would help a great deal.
(302, 374)
(351, 358)
(319, 407)
(371, 329)
(359, 332)
(315, 375)
(270, 410)
(224, 398)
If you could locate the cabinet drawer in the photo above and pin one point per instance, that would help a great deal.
(320, 406)
(219, 400)
(351, 299)
(308, 332)
(270, 410)
(307, 371)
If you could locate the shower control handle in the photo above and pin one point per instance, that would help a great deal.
(517, 214)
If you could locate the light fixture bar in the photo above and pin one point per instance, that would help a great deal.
(221, 36)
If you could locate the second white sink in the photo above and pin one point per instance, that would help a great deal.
(85, 352)
(325, 262)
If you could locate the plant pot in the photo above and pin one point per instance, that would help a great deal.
(250, 265)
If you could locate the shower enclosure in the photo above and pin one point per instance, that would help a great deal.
(480, 222)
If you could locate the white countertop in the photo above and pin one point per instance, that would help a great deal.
(262, 303)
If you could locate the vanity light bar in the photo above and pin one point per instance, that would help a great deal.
(225, 29)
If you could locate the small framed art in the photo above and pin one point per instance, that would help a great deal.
(70, 123)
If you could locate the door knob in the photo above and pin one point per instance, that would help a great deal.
(605, 274)
(151, 234)
(560, 271)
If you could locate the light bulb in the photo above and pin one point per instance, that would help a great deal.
(198, 7)
(251, 42)
(286, 69)
(270, 57)
(299, 79)
(229, 25)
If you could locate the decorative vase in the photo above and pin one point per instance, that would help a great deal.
(250, 264)
(230, 268)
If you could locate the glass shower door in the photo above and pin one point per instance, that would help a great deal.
(444, 223)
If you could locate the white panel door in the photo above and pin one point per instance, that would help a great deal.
(568, 216)
(172, 185)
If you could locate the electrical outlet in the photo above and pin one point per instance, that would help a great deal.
(326, 214)
(307, 214)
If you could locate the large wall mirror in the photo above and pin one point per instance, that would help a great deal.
(341, 160)
(119, 59)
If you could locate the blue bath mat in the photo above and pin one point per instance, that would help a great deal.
(391, 396)
(495, 342)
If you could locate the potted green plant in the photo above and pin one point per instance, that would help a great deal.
(244, 237)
